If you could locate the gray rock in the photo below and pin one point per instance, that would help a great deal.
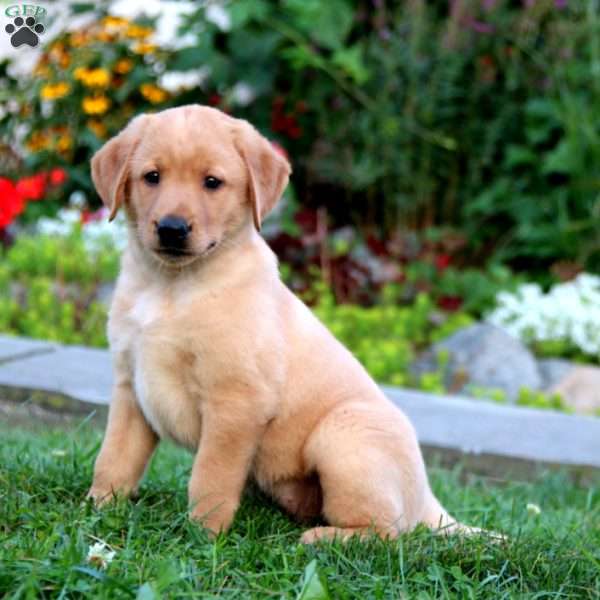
(580, 389)
(484, 356)
(554, 370)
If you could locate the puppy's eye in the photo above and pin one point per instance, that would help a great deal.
(212, 183)
(152, 177)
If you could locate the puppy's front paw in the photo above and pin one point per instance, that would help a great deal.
(216, 518)
(102, 496)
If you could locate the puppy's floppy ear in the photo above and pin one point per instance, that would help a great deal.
(111, 164)
(268, 170)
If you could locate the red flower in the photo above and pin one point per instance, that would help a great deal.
(57, 176)
(32, 188)
(442, 261)
(295, 132)
(450, 303)
(11, 202)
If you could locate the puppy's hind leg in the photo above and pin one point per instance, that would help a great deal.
(362, 488)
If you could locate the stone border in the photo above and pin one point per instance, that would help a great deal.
(45, 378)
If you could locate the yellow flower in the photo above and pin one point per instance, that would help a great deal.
(111, 22)
(92, 77)
(138, 32)
(144, 48)
(123, 66)
(54, 91)
(64, 143)
(105, 36)
(153, 93)
(97, 127)
(42, 70)
(79, 38)
(95, 105)
(58, 54)
(39, 140)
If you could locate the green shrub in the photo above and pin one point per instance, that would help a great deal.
(387, 338)
(48, 288)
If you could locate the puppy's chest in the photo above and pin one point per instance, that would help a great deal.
(164, 373)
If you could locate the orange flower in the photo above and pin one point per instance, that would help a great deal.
(138, 32)
(105, 36)
(153, 93)
(123, 66)
(97, 127)
(42, 70)
(38, 140)
(144, 48)
(111, 22)
(79, 38)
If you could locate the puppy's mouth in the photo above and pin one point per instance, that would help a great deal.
(174, 252)
(175, 255)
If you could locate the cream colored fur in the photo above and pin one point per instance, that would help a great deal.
(214, 351)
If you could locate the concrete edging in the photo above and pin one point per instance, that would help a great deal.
(492, 438)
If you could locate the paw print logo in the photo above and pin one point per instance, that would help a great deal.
(24, 31)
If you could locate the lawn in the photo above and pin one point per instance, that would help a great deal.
(46, 531)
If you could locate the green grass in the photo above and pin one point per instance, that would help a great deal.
(45, 532)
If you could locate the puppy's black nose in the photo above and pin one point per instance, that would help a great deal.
(172, 231)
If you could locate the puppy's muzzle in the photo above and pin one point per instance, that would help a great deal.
(173, 233)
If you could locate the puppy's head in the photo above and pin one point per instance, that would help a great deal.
(189, 179)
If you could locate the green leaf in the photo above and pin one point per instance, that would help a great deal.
(190, 58)
(563, 159)
(518, 156)
(248, 10)
(250, 47)
(300, 57)
(351, 61)
(82, 7)
(314, 585)
(326, 23)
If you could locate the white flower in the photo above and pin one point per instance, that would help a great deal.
(77, 199)
(97, 234)
(533, 510)
(100, 555)
(216, 13)
(569, 312)
(174, 81)
(242, 94)
(169, 15)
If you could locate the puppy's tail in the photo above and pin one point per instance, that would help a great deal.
(438, 519)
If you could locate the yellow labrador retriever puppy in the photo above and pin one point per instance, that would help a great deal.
(212, 350)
